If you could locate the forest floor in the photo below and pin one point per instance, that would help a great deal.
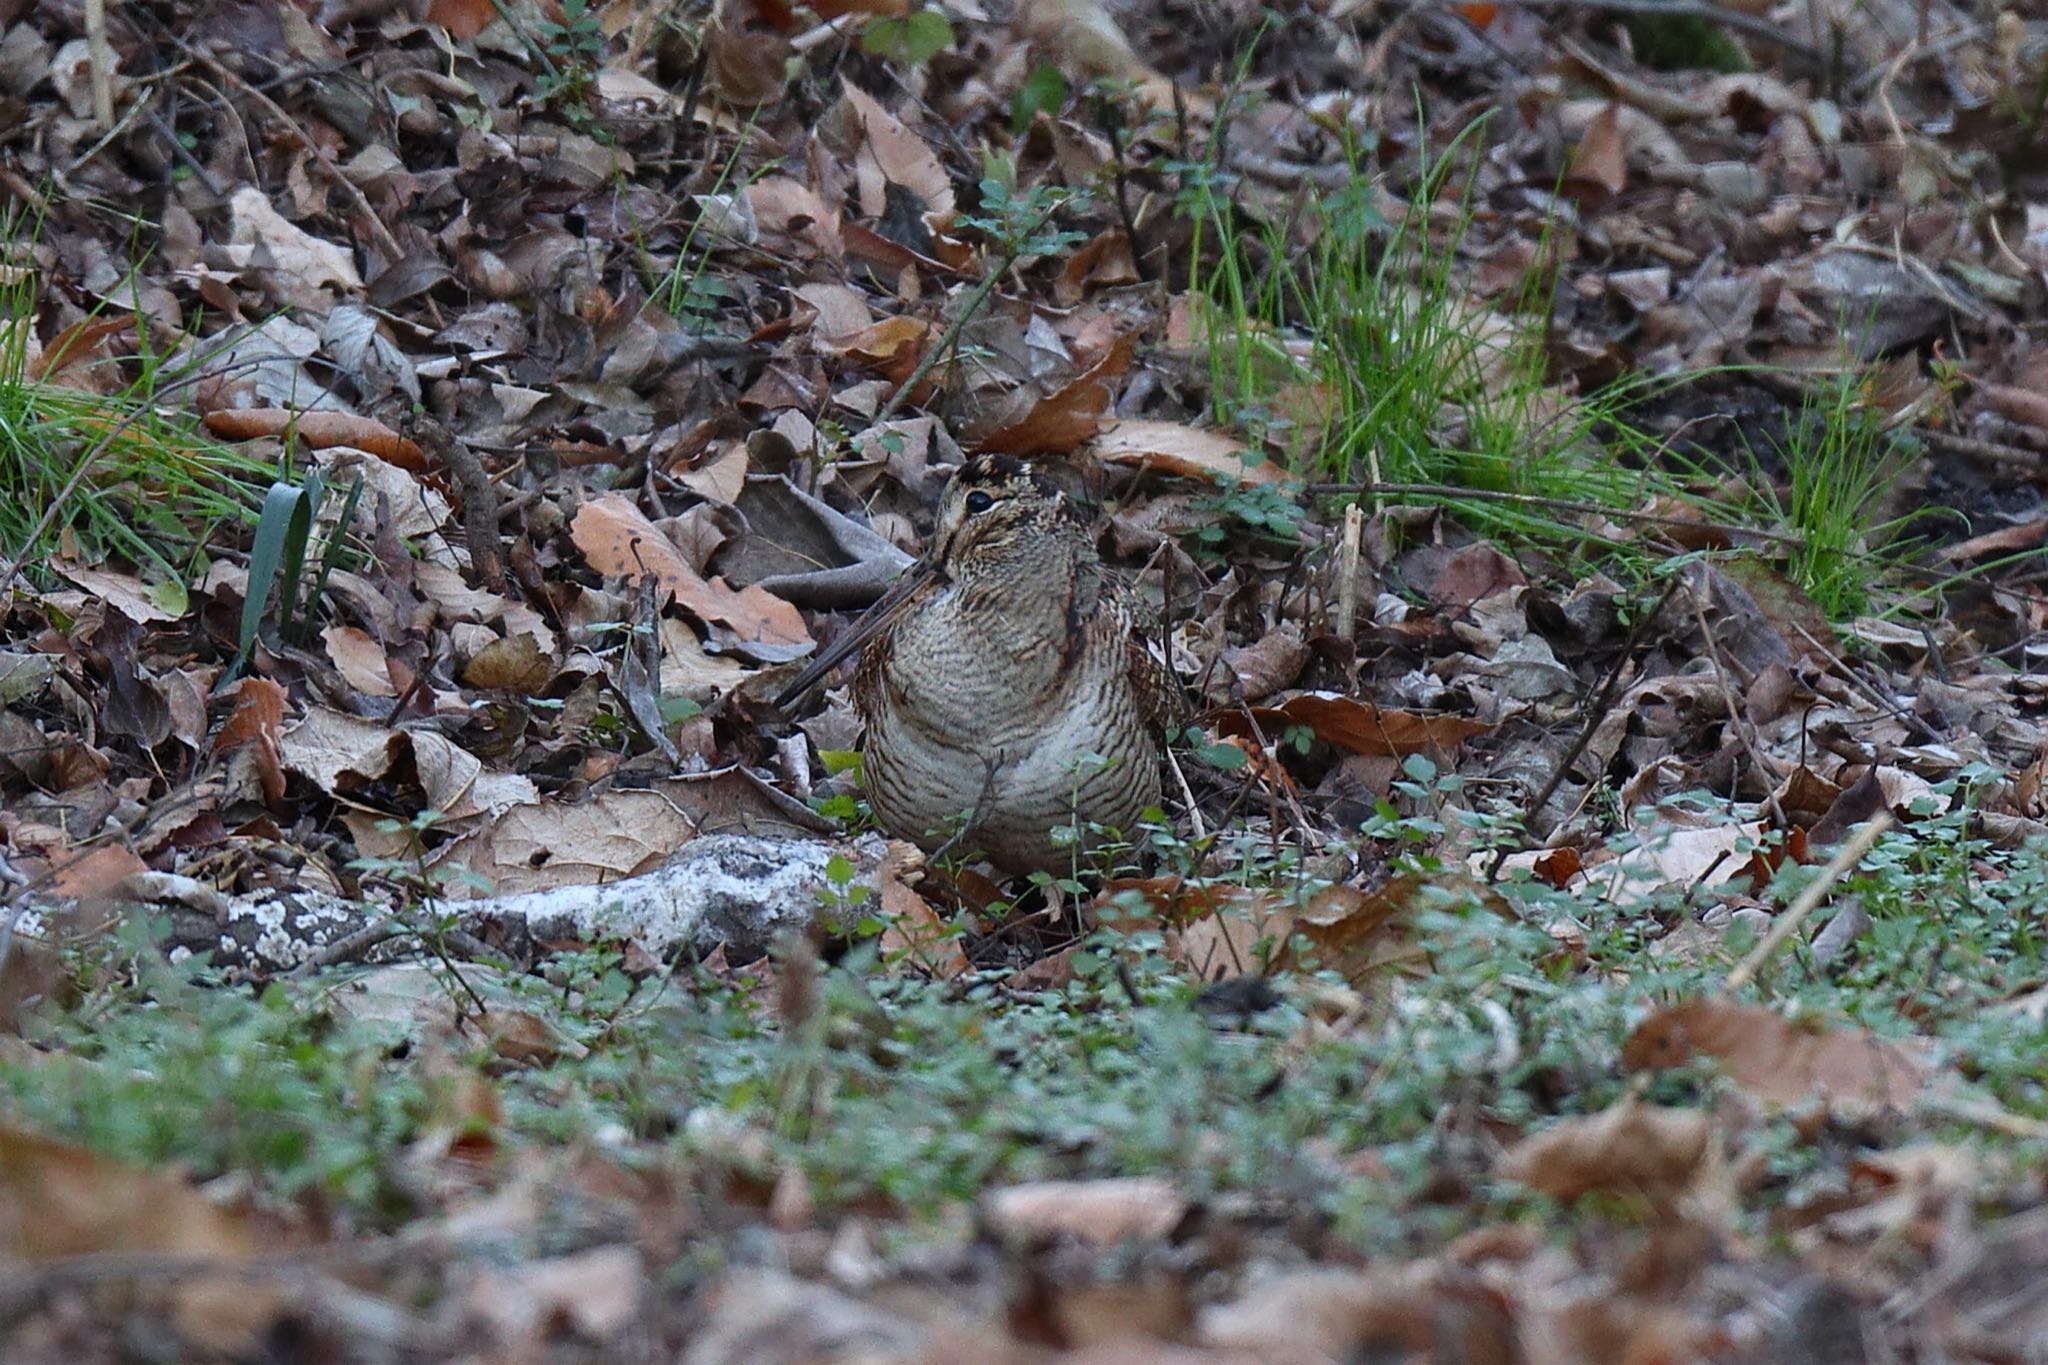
(1587, 463)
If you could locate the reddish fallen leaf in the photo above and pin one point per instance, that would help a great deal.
(916, 934)
(463, 19)
(619, 540)
(1778, 1060)
(96, 871)
(257, 722)
(1764, 862)
(319, 431)
(1358, 726)
(1559, 866)
(1061, 421)
(77, 345)
(1599, 170)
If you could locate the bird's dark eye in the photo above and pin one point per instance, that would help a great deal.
(978, 502)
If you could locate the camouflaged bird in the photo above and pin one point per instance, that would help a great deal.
(1004, 682)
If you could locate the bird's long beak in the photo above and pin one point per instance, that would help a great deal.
(871, 623)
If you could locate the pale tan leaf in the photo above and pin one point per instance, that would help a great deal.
(619, 540)
(1183, 451)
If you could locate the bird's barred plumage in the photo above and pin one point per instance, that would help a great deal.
(1008, 685)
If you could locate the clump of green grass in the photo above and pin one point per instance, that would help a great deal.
(1842, 465)
(1363, 315)
(110, 472)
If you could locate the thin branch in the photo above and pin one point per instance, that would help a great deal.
(1785, 925)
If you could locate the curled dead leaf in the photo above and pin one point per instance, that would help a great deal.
(319, 431)
(1060, 421)
(1782, 1061)
(1356, 725)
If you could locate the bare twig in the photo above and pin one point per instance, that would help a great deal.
(1347, 573)
(1785, 925)
(100, 61)
(1728, 692)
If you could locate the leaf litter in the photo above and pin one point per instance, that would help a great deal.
(652, 336)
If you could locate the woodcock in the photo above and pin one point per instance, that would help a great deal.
(1003, 682)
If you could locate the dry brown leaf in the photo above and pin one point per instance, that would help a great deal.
(1633, 1148)
(1397, 1311)
(124, 592)
(1182, 451)
(892, 345)
(2021, 405)
(1599, 170)
(747, 50)
(893, 155)
(1219, 931)
(513, 663)
(1358, 726)
(257, 722)
(1559, 866)
(360, 660)
(67, 359)
(1099, 1212)
(1780, 1061)
(915, 934)
(463, 19)
(598, 1294)
(96, 870)
(619, 540)
(319, 431)
(1105, 262)
(297, 267)
(57, 1201)
(1061, 421)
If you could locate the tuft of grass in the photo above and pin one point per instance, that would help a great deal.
(1842, 464)
(1345, 332)
(105, 470)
